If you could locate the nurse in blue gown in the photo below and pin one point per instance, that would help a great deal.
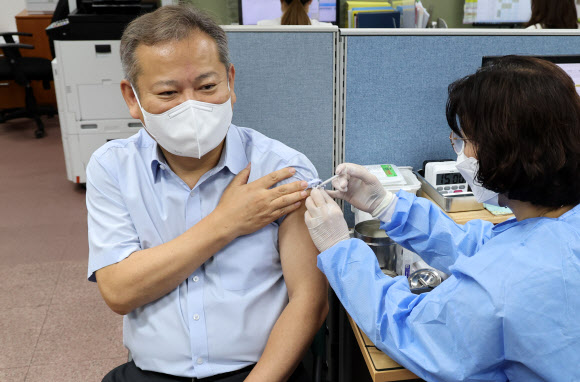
(511, 308)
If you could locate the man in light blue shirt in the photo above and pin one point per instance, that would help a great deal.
(211, 265)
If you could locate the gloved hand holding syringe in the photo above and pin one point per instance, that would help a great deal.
(317, 183)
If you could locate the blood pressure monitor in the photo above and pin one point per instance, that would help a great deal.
(446, 179)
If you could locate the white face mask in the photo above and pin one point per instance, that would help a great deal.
(190, 129)
(468, 167)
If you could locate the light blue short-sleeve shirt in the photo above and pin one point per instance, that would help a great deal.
(218, 319)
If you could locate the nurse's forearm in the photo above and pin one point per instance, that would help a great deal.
(151, 273)
(421, 226)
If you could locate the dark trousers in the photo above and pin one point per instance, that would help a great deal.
(129, 372)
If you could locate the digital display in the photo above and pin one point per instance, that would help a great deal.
(497, 11)
(573, 70)
(449, 178)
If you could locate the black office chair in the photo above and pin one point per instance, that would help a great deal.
(23, 70)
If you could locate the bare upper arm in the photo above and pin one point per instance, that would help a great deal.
(298, 256)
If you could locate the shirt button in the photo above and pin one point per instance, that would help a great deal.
(196, 317)
(195, 279)
(162, 167)
(199, 361)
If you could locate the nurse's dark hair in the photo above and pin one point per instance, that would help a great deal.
(554, 14)
(166, 24)
(295, 13)
(522, 115)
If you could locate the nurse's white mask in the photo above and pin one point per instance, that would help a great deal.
(468, 167)
(190, 129)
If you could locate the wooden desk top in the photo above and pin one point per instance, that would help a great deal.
(381, 367)
(464, 217)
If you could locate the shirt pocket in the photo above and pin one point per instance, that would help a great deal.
(250, 260)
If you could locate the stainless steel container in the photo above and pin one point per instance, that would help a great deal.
(451, 202)
(382, 245)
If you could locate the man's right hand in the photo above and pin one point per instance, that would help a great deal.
(247, 207)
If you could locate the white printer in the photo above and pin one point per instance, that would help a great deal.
(92, 111)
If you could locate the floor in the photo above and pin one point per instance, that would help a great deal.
(54, 326)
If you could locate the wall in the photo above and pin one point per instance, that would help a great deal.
(10, 8)
(449, 10)
(224, 11)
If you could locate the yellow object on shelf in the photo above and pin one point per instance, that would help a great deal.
(359, 4)
(356, 7)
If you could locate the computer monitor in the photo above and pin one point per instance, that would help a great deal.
(252, 11)
(569, 63)
(493, 12)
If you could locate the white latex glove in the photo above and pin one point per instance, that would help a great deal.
(324, 220)
(360, 188)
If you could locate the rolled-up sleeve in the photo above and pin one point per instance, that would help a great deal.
(112, 234)
(305, 170)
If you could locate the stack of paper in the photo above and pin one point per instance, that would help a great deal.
(411, 14)
(356, 7)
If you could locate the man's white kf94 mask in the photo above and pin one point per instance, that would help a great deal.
(190, 129)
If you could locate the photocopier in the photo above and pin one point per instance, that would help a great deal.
(87, 74)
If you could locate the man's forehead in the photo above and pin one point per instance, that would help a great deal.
(198, 52)
(196, 43)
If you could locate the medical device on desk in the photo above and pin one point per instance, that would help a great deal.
(393, 178)
(441, 182)
(446, 179)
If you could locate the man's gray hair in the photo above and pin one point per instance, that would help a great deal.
(168, 23)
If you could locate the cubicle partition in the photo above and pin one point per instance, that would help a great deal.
(285, 86)
(395, 86)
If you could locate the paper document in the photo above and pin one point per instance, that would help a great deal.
(496, 11)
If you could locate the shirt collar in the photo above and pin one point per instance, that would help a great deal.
(156, 157)
(233, 155)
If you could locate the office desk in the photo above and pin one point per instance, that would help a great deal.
(36, 24)
(464, 217)
(381, 367)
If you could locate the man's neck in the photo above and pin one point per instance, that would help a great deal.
(190, 170)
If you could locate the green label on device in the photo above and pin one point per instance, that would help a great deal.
(388, 169)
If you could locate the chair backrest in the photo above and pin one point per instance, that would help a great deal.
(11, 51)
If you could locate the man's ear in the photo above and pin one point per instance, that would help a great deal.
(131, 100)
(232, 80)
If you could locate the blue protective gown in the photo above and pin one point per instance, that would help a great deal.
(509, 311)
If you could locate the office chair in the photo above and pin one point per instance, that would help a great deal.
(23, 70)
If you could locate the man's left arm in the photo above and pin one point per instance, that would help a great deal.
(307, 307)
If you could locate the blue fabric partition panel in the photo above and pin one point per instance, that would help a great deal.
(396, 90)
(284, 87)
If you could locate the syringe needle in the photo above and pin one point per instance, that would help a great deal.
(327, 181)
